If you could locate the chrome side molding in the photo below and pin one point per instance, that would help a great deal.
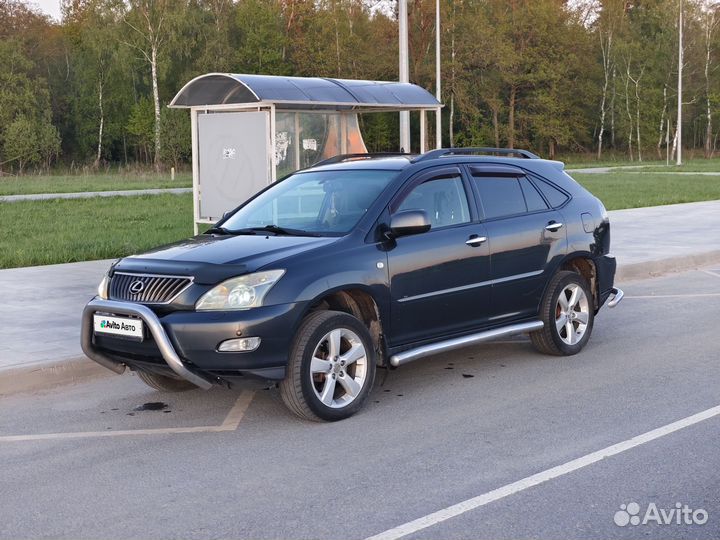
(464, 341)
(617, 297)
(156, 329)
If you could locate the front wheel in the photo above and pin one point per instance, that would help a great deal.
(568, 313)
(331, 367)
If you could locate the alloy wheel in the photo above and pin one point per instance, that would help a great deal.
(572, 314)
(339, 368)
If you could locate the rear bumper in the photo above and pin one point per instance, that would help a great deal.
(186, 342)
(606, 265)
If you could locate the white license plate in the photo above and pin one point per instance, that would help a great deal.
(118, 326)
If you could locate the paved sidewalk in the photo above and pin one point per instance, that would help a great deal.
(90, 194)
(605, 170)
(40, 310)
(660, 239)
(41, 306)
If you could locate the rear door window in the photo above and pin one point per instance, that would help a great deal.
(533, 199)
(501, 196)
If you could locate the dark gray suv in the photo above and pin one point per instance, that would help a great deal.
(359, 262)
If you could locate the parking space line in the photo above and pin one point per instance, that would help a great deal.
(231, 423)
(710, 272)
(541, 477)
(236, 414)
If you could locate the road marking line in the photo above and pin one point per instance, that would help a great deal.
(236, 414)
(706, 295)
(541, 477)
(710, 272)
(231, 423)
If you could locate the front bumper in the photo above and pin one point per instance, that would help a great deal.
(186, 341)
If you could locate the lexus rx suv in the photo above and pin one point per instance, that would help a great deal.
(360, 262)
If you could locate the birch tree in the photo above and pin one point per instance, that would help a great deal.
(711, 22)
(148, 22)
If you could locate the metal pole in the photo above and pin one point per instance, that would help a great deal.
(404, 72)
(438, 94)
(423, 127)
(679, 86)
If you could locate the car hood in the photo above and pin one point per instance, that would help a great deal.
(212, 258)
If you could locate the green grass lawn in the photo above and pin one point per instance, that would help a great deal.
(22, 185)
(49, 232)
(632, 190)
(60, 231)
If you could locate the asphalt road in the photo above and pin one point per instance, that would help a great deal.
(478, 427)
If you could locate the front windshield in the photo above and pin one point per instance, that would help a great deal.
(317, 202)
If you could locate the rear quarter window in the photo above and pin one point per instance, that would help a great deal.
(553, 195)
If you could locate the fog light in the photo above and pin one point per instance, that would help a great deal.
(245, 344)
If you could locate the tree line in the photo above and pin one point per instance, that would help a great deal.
(553, 76)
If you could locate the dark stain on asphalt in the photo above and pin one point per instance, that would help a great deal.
(467, 376)
(449, 367)
(152, 406)
(167, 412)
(399, 395)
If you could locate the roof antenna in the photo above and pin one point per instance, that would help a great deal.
(402, 150)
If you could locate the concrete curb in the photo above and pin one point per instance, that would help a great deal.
(671, 265)
(44, 375)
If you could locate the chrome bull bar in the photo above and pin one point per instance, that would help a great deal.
(156, 329)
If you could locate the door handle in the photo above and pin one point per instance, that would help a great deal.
(475, 240)
(553, 226)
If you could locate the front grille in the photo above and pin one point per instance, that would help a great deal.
(154, 290)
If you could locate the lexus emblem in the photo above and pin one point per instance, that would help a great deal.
(137, 286)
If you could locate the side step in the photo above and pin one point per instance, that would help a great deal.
(457, 343)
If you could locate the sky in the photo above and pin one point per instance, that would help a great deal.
(51, 7)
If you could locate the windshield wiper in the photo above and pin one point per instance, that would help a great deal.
(284, 231)
(223, 230)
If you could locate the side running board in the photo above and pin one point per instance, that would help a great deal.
(464, 341)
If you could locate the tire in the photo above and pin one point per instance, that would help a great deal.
(164, 384)
(567, 327)
(331, 367)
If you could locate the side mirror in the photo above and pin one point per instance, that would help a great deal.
(409, 222)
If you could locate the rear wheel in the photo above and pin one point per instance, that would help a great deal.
(331, 367)
(164, 384)
(568, 313)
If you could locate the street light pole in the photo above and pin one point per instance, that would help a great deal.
(679, 86)
(438, 94)
(404, 72)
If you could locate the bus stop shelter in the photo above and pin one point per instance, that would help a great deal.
(250, 130)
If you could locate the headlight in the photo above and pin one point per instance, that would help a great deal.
(103, 287)
(242, 292)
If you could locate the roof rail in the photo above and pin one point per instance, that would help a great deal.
(367, 155)
(442, 152)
